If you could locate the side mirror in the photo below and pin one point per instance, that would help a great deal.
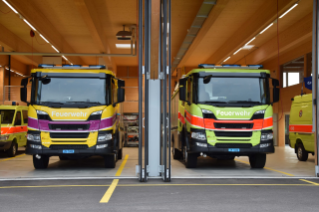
(24, 90)
(275, 82)
(182, 89)
(121, 91)
(275, 94)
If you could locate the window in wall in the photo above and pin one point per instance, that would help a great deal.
(292, 72)
(293, 78)
(284, 78)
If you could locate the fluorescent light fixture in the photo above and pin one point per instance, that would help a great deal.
(71, 64)
(266, 28)
(295, 5)
(44, 38)
(123, 46)
(29, 25)
(247, 47)
(65, 58)
(55, 49)
(10, 6)
(226, 59)
(250, 41)
(237, 51)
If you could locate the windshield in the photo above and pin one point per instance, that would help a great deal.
(233, 90)
(83, 92)
(7, 116)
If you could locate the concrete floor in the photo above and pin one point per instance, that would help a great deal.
(283, 163)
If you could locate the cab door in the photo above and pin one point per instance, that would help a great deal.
(18, 128)
(189, 101)
(25, 127)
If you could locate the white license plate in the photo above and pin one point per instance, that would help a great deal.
(68, 151)
(234, 150)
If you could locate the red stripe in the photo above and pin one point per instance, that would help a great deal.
(9, 130)
(300, 128)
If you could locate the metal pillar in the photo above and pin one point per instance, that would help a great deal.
(315, 84)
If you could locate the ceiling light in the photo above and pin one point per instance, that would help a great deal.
(295, 5)
(55, 49)
(266, 28)
(247, 47)
(226, 59)
(124, 35)
(123, 46)
(10, 6)
(29, 25)
(64, 57)
(250, 41)
(71, 64)
(44, 38)
(237, 51)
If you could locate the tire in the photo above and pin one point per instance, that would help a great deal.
(177, 155)
(190, 159)
(40, 163)
(257, 161)
(63, 158)
(12, 151)
(302, 154)
(109, 161)
(120, 154)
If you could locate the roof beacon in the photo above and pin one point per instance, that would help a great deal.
(230, 66)
(66, 66)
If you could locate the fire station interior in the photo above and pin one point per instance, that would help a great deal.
(217, 32)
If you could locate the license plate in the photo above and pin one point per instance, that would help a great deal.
(68, 151)
(234, 150)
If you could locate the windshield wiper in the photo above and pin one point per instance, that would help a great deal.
(251, 102)
(207, 102)
(83, 102)
(48, 102)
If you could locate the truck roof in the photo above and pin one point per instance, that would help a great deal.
(13, 107)
(231, 70)
(90, 71)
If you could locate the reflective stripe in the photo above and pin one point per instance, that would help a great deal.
(11, 130)
(181, 118)
(306, 128)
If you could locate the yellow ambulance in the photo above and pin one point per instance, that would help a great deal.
(301, 137)
(14, 122)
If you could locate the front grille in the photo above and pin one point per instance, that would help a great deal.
(58, 147)
(233, 145)
(233, 134)
(233, 126)
(69, 126)
(69, 135)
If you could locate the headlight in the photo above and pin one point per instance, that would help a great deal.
(95, 115)
(97, 112)
(4, 137)
(259, 112)
(207, 111)
(198, 135)
(40, 112)
(104, 137)
(266, 136)
(34, 137)
(43, 115)
(101, 146)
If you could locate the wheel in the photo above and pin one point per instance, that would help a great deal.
(12, 151)
(40, 161)
(190, 159)
(177, 155)
(302, 154)
(120, 154)
(257, 161)
(109, 161)
(63, 158)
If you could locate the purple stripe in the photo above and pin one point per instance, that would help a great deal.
(44, 124)
(33, 123)
(106, 123)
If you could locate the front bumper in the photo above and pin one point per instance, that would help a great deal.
(89, 151)
(4, 145)
(193, 148)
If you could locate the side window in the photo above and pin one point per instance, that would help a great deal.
(25, 116)
(189, 90)
(18, 119)
(114, 91)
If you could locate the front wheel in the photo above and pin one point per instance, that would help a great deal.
(120, 154)
(257, 161)
(302, 154)
(40, 161)
(109, 161)
(12, 151)
(190, 159)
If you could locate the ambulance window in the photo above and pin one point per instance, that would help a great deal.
(189, 90)
(18, 119)
(114, 91)
(25, 116)
(7, 116)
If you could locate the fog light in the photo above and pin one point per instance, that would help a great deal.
(266, 136)
(265, 145)
(104, 137)
(34, 146)
(198, 135)
(101, 146)
(201, 144)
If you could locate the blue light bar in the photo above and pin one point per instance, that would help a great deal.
(256, 66)
(71, 66)
(97, 66)
(206, 66)
(45, 65)
(231, 65)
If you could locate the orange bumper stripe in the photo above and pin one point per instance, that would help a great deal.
(300, 128)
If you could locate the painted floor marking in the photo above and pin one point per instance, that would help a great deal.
(111, 189)
(317, 184)
(285, 173)
(12, 158)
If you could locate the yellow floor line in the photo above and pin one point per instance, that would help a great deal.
(285, 173)
(111, 189)
(12, 158)
(317, 184)
(53, 186)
